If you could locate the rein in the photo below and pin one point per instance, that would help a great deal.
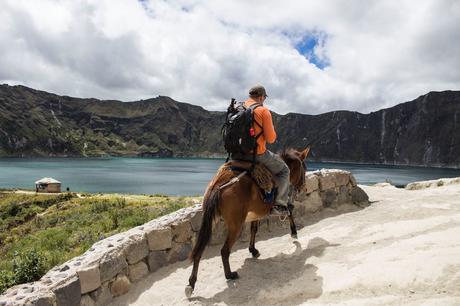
(233, 180)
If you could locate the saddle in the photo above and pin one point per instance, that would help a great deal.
(259, 174)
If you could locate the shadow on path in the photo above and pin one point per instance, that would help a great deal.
(285, 279)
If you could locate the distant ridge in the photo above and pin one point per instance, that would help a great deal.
(422, 132)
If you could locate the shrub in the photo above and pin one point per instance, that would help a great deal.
(28, 266)
(6, 280)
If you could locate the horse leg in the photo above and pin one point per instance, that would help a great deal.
(192, 280)
(291, 221)
(252, 244)
(233, 233)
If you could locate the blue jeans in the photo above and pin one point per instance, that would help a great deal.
(280, 171)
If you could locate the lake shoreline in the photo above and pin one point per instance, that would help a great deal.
(223, 157)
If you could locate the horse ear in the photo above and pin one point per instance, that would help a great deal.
(304, 153)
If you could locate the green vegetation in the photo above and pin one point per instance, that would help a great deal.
(38, 232)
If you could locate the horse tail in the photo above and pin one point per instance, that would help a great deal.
(210, 204)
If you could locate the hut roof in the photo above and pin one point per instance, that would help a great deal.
(47, 180)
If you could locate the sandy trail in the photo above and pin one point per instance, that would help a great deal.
(403, 249)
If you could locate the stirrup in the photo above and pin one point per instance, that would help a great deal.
(279, 210)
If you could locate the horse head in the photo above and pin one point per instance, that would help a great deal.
(297, 166)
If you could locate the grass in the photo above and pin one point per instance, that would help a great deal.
(38, 232)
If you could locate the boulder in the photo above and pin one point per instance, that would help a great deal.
(156, 260)
(112, 263)
(358, 196)
(138, 271)
(136, 249)
(86, 300)
(341, 177)
(195, 220)
(326, 180)
(329, 198)
(311, 183)
(353, 180)
(312, 203)
(179, 252)
(102, 296)
(343, 195)
(219, 232)
(120, 285)
(90, 278)
(181, 231)
(159, 238)
(68, 292)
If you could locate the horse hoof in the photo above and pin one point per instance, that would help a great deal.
(233, 275)
(188, 291)
(256, 254)
(294, 236)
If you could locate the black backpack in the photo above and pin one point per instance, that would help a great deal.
(238, 132)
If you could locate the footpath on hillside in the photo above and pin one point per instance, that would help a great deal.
(403, 249)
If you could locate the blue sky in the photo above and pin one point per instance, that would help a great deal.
(306, 46)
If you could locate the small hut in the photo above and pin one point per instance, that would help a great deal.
(48, 184)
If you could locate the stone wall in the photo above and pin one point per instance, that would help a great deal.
(110, 267)
(433, 183)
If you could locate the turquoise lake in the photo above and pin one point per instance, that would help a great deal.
(169, 176)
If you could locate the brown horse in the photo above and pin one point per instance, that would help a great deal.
(239, 203)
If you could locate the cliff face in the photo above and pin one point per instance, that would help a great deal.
(36, 123)
(425, 131)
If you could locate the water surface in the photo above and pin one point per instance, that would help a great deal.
(169, 176)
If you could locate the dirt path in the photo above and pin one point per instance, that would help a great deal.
(403, 249)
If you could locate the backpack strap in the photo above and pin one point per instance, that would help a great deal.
(254, 151)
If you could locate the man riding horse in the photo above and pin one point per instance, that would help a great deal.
(237, 198)
(263, 126)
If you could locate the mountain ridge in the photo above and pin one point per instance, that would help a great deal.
(424, 131)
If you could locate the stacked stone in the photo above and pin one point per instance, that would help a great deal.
(111, 265)
(328, 188)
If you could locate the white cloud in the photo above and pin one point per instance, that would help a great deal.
(380, 53)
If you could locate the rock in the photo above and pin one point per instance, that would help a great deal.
(102, 296)
(68, 292)
(313, 202)
(120, 285)
(156, 260)
(353, 180)
(311, 183)
(112, 263)
(138, 271)
(329, 198)
(432, 183)
(219, 233)
(326, 180)
(359, 196)
(159, 239)
(343, 195)
(196, 219)
(42, 298)
(137, 248)
(86, 300)
(181, 231)
(90, 278)
(179, 252)
(342, 178)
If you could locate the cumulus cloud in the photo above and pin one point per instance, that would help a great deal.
(312, 56)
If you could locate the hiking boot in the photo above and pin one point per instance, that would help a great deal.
(279, 210)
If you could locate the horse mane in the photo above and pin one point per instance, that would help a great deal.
(289, 154)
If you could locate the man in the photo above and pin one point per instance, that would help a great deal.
(273, 162)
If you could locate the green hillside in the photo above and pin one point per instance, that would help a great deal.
(38, 232)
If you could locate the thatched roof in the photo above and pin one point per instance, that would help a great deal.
(47, 180)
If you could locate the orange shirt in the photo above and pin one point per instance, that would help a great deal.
(263, 116)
